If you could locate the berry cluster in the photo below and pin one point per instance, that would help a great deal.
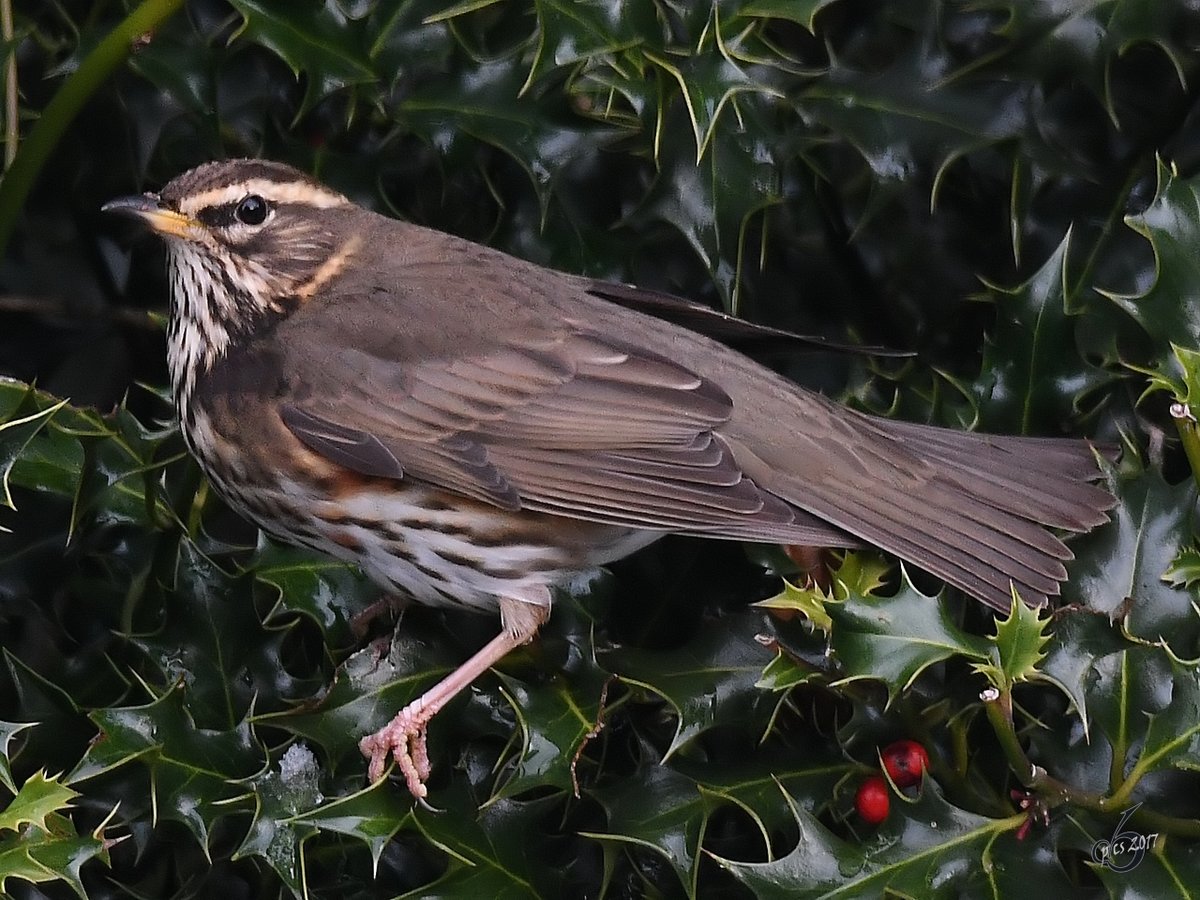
(904, 762)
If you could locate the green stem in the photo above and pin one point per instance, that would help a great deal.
(66, 103)
(1189, 434)
(1148, 820)
(11, 110)
(1053, 792)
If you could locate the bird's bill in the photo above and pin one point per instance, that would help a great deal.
(149, 209)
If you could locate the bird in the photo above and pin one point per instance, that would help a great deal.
(472, 429)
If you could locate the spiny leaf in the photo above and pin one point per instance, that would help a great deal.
(54, 853)
(925, 842)
(1173, 735)
(802, 12)
(328, 591)
(709, 680)
(1169, 310)
(808, 601)
(672, 825)
(556, 718)
(313, 39)
(16, 439)
(894, 639)
(485, 105)
(1080, 639)
(1184, 571)
(1020, 641)
(9, 730)
(372, 815)
(38, 798)
(490, 853)
(573, 31)
(709, 85)
(194, 772)
(1126, 690)
(1027, 379)
(1129, 557)
(668, 808)
(281, 795)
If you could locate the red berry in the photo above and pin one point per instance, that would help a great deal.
(904, 762)
(873, 800)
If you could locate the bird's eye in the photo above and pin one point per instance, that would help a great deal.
(251, 210)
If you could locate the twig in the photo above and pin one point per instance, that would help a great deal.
(11, 129)
(66, 103)
(53, 306)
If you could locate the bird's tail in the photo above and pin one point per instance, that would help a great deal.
(976, 510)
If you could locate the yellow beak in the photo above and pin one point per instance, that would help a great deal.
(150, 209)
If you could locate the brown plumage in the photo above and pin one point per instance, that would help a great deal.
(472, 428)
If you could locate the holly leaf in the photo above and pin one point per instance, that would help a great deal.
(314, 39)
(1125, 692)
(808, 601)
(211, 637)
(1027, 381)
(894, 639)
(37, 799)
(281, 795)
(33, 462)
(1169, 310)
(489, 850)
(556, 718)
(1020, 641)
(1080, 639)
(1169, 871)
(708, 681)
(484, 105)
(1119, 568)
(9, 730)
(1173, 735)
(924, 842)
(1184, 570)
(195, 773)
(662, 810)
(802, 12)
(709, 84)
(52, 852)
(372, 815)
(327, 591)
(571, 32)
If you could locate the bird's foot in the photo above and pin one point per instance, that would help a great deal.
(403, 739)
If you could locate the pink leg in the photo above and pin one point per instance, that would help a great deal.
(404, 737)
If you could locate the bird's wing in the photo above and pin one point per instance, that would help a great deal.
(546, 417)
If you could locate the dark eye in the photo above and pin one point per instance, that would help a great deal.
(251, 210)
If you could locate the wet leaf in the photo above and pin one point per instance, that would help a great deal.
(1120, 568)
(313, 39)
(710, 680)
(894, 639)
(922, 843)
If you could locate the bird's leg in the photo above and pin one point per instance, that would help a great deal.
(813, 564)
(404, 737)
(361, 622)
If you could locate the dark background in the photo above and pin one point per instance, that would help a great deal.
(1006, 189)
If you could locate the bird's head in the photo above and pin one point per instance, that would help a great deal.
(248, 241)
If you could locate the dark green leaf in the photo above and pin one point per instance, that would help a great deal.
(894, 639)
(314, 39)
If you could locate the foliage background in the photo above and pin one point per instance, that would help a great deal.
(1004, 187)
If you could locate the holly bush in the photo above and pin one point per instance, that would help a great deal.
(1001, 194)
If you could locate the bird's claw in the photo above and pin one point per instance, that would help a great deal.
(403, 739)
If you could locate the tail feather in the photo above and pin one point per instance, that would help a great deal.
(1042, 479)
(976, 510)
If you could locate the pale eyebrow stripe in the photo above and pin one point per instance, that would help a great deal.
(275, 191)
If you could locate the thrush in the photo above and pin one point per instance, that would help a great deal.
(472, 429)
